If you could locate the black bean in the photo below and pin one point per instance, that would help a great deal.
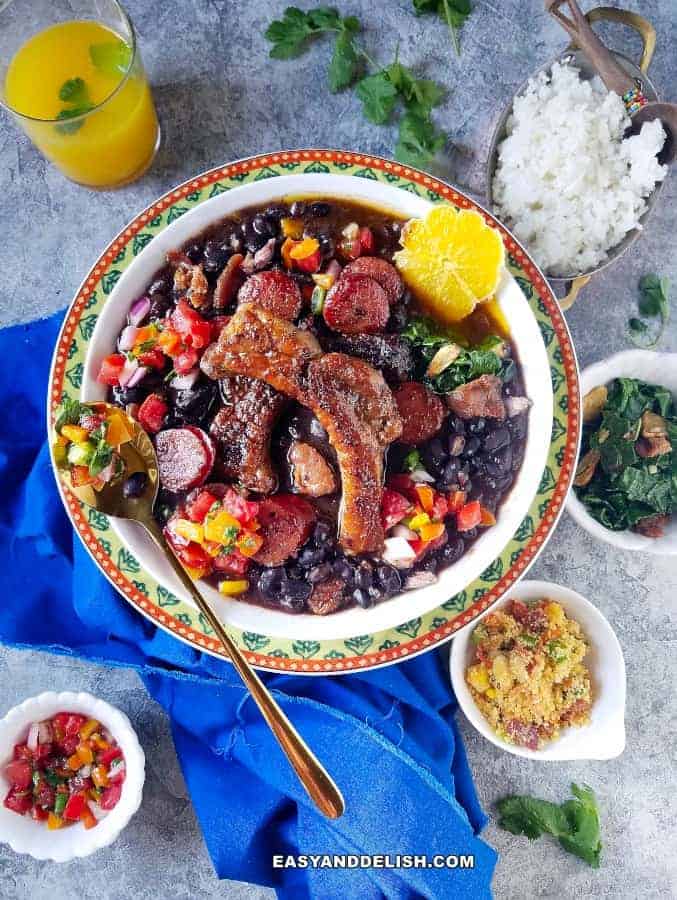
(135, 485)
(270, 580)
(362, 598)
(455, 425)
(294, 570)
(297, 209)
(452, 551)
(327, 245)
(194, 403)
(292, 602)
(323, 532)
(160, 305)
(364, 575)
(262, 225)
(451, 471)
(389, 578)
(399, 316)
(433, 456)
(122, 396)
(311, 556)
(319, 209)
(276, 211)
(159, 286)
(470, 534)
(496, 439)
(319, 573)
(194, 253)
(472, 445)
(518, 425)
(476, 426)
(297, 588)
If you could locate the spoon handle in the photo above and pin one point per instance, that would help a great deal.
(313, 776)
(579, 29)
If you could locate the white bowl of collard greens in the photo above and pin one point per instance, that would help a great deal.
(632, 455)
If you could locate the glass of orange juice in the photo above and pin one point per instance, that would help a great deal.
(78, 89)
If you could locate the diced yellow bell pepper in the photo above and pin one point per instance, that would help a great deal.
(145, 334)
(62, 440)
(84, 751)
(117, 432)
(304, 248)
(212, 548)
(99, 742)
(432, 531)
(418, 521)
(75, 433)
(100, 776)
(426, 495)
(249, 543)
(478, 678)
(88, 729)
(292, 228)
(196, 573)
(324, 280)
(233, 588)
(285, 251)
(54, 821)
(219, 527)
(191, 531)
(74, 761)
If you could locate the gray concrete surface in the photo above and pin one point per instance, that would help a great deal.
(219, 98)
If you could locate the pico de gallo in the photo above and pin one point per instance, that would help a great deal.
(88, 442)
(68, 769)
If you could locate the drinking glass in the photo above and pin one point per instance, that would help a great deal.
(71, 76)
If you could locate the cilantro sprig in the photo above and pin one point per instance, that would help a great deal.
(453, 12)
(381, 93)
(654, 302)
(574, 823)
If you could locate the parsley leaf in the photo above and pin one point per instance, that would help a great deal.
(453, 12)
(290, 34)
(654, 303)
(111, 57)
(102, 456)
(412, 461)
(379, 96)
(418, 140)
(575, 823)
(69, 413)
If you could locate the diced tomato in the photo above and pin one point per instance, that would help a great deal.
(367, 240)
(18, 801)
(440, 508)
(106, 757)
(193, 556)
(153, 359)
(239, 508)
(309, 263)
(69, 744)
(200, 334)
(19, 774)
(487, 518)
(110, 370)
(117, 773)
(59, 723)
(80, 476)
(468, 516)
(109, 798)
(417, 546)
(39, 814)
(22, 751)
(234, 563)
(198, 509)
(394, 507)
(185, 361)
(75, 806)
(455, 501)
(73, 724)
(152, 413)
(44, 794)
(195, 330)
(43, 752)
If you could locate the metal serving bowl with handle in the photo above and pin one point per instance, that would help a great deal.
(573, 282)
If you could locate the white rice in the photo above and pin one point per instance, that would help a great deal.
(566, 182)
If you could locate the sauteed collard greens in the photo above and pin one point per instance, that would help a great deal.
(627, 476)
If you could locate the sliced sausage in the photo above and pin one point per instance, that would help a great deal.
(207, 442)
(274, 291)
(311, 473)
(286, 522)
(228, 282)
(184, 458)
(356, 304)
(481, 397)
(327, 597)
(422, 412)
(380, 270)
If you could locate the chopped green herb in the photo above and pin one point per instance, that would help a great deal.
(452, 12)
(69, 413)
(556, 650)
(60, 802)
(111, 57)
(575, 823)
(101, 458)
(529, 640)
(411, 461)
(653, 303)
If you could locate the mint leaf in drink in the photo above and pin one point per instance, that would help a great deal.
(74, 91)
(111, 57)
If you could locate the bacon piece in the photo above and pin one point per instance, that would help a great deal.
(261, 345)
(311, 473)
(327, 597)
(481, 397)
(228, 282)
(189, 279)
(242, 429)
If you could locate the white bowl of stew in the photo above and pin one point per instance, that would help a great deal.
(394, 205)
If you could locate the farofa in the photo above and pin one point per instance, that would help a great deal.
(528, 677)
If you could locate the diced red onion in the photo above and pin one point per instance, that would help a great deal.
(45, 734)
(97, 812)
(137, 376)
(107, 474)
(138, 311)
(85, 771)
(127, 338)
(419, 580)
(398, 552)
(33, 734)
(263, 256)
(185, 382)
(404, 532)
(422, 477)
(129, 368)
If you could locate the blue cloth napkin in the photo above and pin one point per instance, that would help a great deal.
(388, 737)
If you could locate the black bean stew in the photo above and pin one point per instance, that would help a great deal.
(320, 442)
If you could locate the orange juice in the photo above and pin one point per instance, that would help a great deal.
(84, 76)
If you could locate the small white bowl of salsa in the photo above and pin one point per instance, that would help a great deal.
(71, 775)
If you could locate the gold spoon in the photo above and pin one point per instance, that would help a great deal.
(139, 456)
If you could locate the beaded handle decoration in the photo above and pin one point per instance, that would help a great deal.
(634, 99)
